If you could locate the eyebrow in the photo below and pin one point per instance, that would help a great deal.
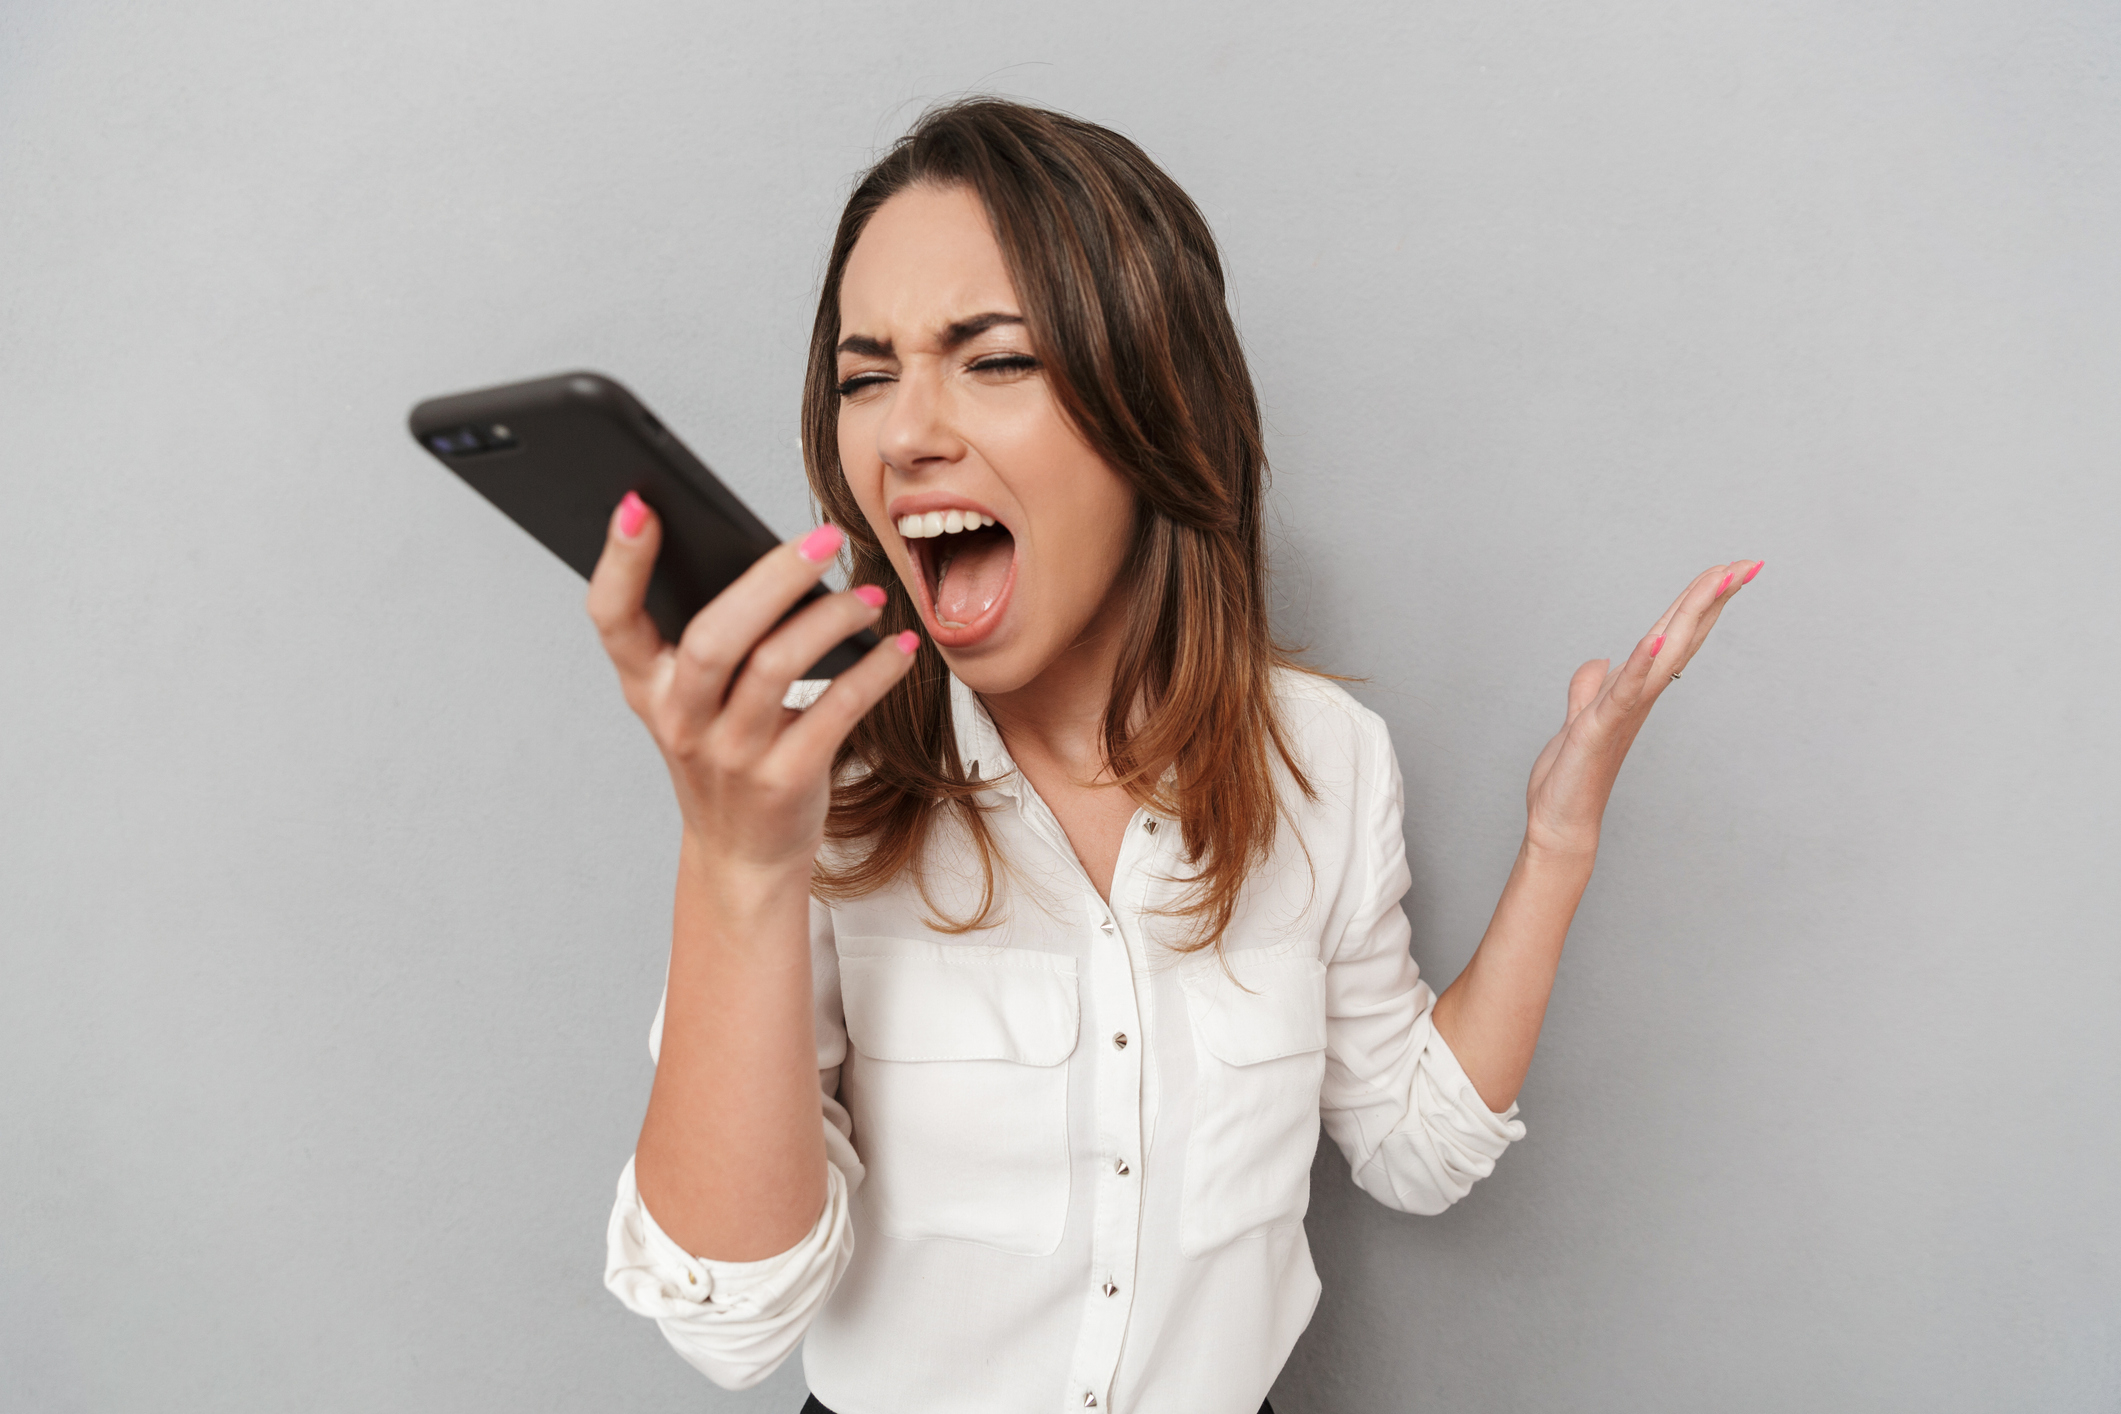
(958, 332)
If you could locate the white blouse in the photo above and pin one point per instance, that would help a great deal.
(1068, 1165)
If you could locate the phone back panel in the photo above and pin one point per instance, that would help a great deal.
(558, 454)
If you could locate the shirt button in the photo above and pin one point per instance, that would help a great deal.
(1149, 825)
(1105, 923)
(1108, 1288)
(1119, 1166)
(1089, 1401)
(1119, 1040)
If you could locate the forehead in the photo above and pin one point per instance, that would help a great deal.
(927, 258)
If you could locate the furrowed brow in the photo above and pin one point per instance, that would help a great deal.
(966, 330)
(959, 332)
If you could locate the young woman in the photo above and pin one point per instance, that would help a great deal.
(1014, 971)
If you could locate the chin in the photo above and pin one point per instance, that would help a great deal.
(998, 666)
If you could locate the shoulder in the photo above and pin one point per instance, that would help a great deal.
(1345, 750)
(1355, 803)
(1326, 725)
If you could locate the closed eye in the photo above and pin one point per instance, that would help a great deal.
(850, 386)
(1003, 363)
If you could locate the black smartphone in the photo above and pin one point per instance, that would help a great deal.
(558, 454)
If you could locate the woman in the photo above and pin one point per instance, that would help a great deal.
(1014, 970)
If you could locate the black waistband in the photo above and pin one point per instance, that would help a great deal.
(811, 1406)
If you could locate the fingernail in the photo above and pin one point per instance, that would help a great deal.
(871, 595)
(1655, 644)
(1751, 572)
(908, 641)
(632, 511)
(1726, 584)
(821, 544)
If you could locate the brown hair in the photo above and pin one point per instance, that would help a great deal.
(1124, 304)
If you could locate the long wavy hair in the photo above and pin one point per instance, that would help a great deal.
(1124, 304)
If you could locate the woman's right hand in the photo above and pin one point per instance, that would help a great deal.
(753, 778)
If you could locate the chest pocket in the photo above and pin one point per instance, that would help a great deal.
(957, 1081)
(1260, 1057)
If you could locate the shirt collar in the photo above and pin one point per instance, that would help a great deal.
(979, 744)
(979, 741)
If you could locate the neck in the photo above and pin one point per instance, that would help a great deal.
(1060, 714)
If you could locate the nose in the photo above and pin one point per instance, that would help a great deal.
(917, 432)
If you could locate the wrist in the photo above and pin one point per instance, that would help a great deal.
(1562, 856)
(738, 883)
(736, 854)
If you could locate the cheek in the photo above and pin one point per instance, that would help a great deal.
(1063, 476)
(1116, 513)
(864, 473)
(1099, 514)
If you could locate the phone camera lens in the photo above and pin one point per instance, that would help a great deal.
(462, 439)
(468, 439)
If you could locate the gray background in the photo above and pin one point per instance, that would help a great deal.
(337, 876)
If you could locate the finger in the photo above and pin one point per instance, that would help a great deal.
(1584, 686)
(1735, 578)
(751, 717)
(619, 584)
(725, 632)
(814, 740)
(1683, 624)
(1664, 620)
(1656, 654)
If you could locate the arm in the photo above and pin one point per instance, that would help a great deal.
(736, 1322)
(731, 1158)
(1394, 1099)
(1491, 1015)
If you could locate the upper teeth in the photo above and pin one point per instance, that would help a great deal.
(941, 523)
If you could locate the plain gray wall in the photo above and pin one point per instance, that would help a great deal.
(337, 875)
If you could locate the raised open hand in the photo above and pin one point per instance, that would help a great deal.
(1573, 777)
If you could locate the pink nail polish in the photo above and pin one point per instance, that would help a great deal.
(821, 544)
(632, 511)
(1655, 644)
(871, 595)
(1726, 584)
(908, 642)
(1753, 571)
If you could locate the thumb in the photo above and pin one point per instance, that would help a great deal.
(1585, 684)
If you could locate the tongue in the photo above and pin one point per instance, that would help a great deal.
(971, 579)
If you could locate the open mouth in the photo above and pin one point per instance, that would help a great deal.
(967, 563)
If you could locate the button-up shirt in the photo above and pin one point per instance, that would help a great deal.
(1068, 1163)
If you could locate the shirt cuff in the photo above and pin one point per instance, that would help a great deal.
(1450, 1078)
(1449, 1139)
(655, 1277)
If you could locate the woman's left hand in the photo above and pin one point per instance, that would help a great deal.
(1574, 775)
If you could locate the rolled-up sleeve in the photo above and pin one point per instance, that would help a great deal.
(1415, 1132)
(736, 1322)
